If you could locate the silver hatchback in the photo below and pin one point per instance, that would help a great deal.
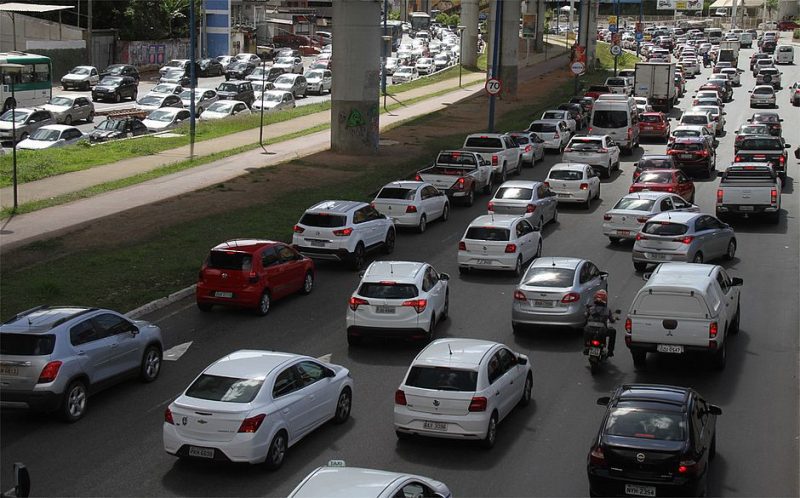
(52, 358)
(526, 198)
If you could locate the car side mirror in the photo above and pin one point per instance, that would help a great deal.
(603, 275)
(444, 276)
(535, 228)
(737, 282)
(521, 360)
(781, 120)
(604, 401)
(714, 410)
(361, 274)
(787, 146)
(134, 330)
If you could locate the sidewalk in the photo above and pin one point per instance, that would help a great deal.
(58, 220)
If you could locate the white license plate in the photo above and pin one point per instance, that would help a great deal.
(636, 490)
(745, 208)
(594, 351)
(386, 310)
(224, 294)
(563, 195)
(194, 451)
(434, 426)
(484, 261)
(542, 303)
(687, 156)
(317, 243)
(655, 255)
(648, 128)
(9, 371)
(624, 233)
(669, 348)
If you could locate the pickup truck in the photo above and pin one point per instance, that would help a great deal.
(619, 85)
(749, 188)
(459, 174)
(499, 149)
(764, 149)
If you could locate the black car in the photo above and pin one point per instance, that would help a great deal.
(764, 149)
(654, 440)
(113, 128)
(239, 70)
(115, 88)
(210, 67)
(576, 112)
(652, 161)
(236, 90)
(121, 70)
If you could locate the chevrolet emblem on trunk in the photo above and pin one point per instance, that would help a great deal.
(436, 402)
(224, 276)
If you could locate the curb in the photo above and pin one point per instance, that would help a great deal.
(161, 302)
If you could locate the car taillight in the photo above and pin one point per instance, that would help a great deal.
(251, 424)
(495, 161)
(590, 130)
(596, 457)
(511, 248)
(584, 186)
(531, 208)
(773, 196)
(478, 404)
(49, 372)
(345, 232)
(630, 133)
(719, 196)
(462, 246)
(399, 397)
(298, 229)
(556, 135)
(628, 325)
(712, 330)
(595, 342)
(641, 236)
(355, 302)
(703, 153)
(546, 184)
(520, 296)
(411, 209)
(419, 305)
(528, 148)
(782, 159)
(737, 159)
(417, 178)
(670, 189)
(686, 240)
(571, 297)
(490, 206)
(687, 467)
(606, 217)
(168, 416)
(739, 138)
(459, 184)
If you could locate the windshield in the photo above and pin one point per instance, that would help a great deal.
(655, 162)
(543, 127)
(695, 119)
(114, 70)
(686, 133)
(174, 73)
(549, 277)
(564, 174)
(664, 228)
(691, 146)
(151, 100)
(610, 119)
(553, 115)
(442, 378)
(628, 422)
(650, 118)
(655, 177)
(175, 63)
(404, 70)
(487, 233)
(187, 94)
(764, 90)
(223, 107)
(163, 116)
(226, 389)
(634, 204)
(271, 97)
(162, 89)
(761, 144)
(20, 116)
(64, 101)
(27, 344)
(285, 60)
(45, 135)
(111, 124)
(110, 81)
(313, 75)
(284, 79)
(228, 87)
(586, 144)
(518, 193)
(484, 143)
(80, 70)
(323, 220)
(397, 193)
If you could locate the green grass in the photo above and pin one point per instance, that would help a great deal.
(451, 72)
(606, 61)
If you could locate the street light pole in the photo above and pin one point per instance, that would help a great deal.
(263, 90)
(384, 53)
(460, 52)
(498, 26)
(192, 78)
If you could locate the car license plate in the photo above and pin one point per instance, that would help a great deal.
(542, 303)
(194, 451)
(386, 310)
(669, 348)
(594, 351)
(636, 490)
(687, 156)
(745, 208)
(563, 195)
(224, 294)
(9, 370)
(648, 128)
(624, 233)
(484, 261)
(434, 426)
(317, 243)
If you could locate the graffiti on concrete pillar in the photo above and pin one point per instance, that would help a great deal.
(355, 119)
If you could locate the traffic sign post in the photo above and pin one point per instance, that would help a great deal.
(616, 50)
(577, 68)
(493, 86)
(613, 28)
(639, 37)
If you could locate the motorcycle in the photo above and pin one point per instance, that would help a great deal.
(597, 342)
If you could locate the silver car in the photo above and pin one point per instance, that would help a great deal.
(599, 151)
(630, 213)
(763, 95)
(66, 109)
(295, 83)
(203, 98)
(531, 146)
(554, 132)
(769, 76)
(556, 291)
(18, 124)
(53, 357)
(685, 237)
(526, 198)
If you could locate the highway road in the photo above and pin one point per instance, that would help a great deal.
(116, 450)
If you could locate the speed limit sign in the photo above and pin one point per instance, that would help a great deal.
(493, 86)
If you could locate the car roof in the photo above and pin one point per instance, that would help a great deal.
(678, 397)
(556, 262)
(676, 216)
(647, 157)
(249, 363)
(333, 206)
(568, 167)
(277, 92)
(59, 127)
(383, 270)
(406, 184)
(695, 113)
(346, 482)
(521, 183)
(243, 245)
(651, 196)
(456, 352)
(654, 113)
(41, 319)
(689, 140)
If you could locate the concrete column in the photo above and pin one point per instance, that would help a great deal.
(355, 95)
(539, 6)
(583, 15)
(510, 48)
(469, 44)
(591, 24)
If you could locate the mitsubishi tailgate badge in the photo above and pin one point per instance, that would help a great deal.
(640, 457)
(436, 402)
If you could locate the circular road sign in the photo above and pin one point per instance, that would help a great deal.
(616, 50)
(493, 86)
(578, 68)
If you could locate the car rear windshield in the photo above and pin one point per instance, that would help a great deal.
(655, 177)
(628, 422)
(610, 119)
(456, 158)
(766, 118)
(586, 144)
(485, 142)
(396, 193)
(323, 220)
(664, 228)
(487, 233)
(513, 193)
(691, 147)
(543, 127)
(761, 144)
(230, 260)
(685, 133)
(550, 277)
(388, 290)
(634, 204)
(442, 378)
(764, 90)
(565, 174)
(227, 389)
(695, 120)
(652, 163)
(650, 118)
(521, 139)
(553, 115)
(27, 344)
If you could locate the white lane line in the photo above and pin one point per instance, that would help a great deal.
(174, 353)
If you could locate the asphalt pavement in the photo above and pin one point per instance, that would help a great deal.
(116, 450)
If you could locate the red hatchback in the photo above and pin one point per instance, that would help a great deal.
(664, 180)
(654, 124)
(250, 273)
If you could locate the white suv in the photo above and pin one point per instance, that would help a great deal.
(499, 242)
(398, 299)
(343, 231)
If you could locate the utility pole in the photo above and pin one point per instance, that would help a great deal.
(192, 76)
(263, 91)
(498, 26)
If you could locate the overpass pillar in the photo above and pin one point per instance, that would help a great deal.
(469, 45)
(537, 7)
(356, 92)
(509, 45)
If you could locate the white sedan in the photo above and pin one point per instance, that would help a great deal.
(250, 406)
(499, 242)
(165, 118)
(599, 151)
(224, 108)
(574, 182)
(412, 204)
(51, 136)
(629, 214)
(461, 389)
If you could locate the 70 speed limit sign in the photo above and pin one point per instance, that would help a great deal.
(493, 86)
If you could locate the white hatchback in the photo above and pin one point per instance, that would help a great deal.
(629, 214)
(412, 204)
(398, 299)
(250, 406)
(461, 389)
(499, 242)
(599, 151)
(574, 182)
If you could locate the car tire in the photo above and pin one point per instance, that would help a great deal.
(204, 307)
(308, 284)
(730, 253)
(639, 266)
(720, 357)
(588, 204)
(73, 406)
(90, 117)
(525, 400)
(518, 267)
(276, 451)
(491, 433)
(117, 97)
(463, 270)
(639, 359)
(503, 175)
(538, 249)
(388, 243)
(469, 200)
(343, 406)
(357, 257)
(354, 340)
(614, 240)
(151, 364)
(698, 258)
(445, 212)
(423, 224)
(431, 330)
(402, 436)
(737, 319)
(775, 217)
(68, 120)
(264, 304)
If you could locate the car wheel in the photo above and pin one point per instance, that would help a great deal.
(491, 433)
(308, 283)
(73, 408)
(731, 252)
(639, 359)
(402, 436)
(151, 364)
(503, 174)
(538, 250)
(431, 328)
(555, 215)
(423, 224)
(518, 267)
(463, 270)
(90, 117)
(117, 97)
(446, 211)
(540, 224)
(698, 258)
(388, 244)
(525, 400)
(469, 200)
(487, 189)
(588, 204)
(720, 358)
(276, 452)
(343, 406)
(353, 340)
(357, 258)
(68, 120)
(712, 450)
(639, 265)
(614, 240)
(263, 304)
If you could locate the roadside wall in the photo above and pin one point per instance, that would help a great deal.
(151, 54)
(30, 28)
(63, 60)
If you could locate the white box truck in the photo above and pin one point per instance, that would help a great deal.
(729, 52)
(656, 81)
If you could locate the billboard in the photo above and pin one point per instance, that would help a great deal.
(690, 5)
(529, 26)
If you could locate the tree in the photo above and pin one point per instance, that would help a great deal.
(454, 20)
(442, 18)
(394, 15)
(772, 6)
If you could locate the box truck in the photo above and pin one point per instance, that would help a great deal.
(656, 81)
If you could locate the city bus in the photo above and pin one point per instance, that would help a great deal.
(395, 30)
(420, 21)
(27, 76)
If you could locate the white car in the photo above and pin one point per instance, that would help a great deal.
(425, 65)
(165, 89)
(499, 242)
(404, 74)
(289, 64)
(525, 198)
(700, 118)
(165, 118)
(80, 77)
(158, 100)
(629, 214)
(336, 479)
(562, 116)
(599, 151)
(554, 132)
(319, 81)
(274, 100)
(224, 109)
(734, 74)
(250, 406)
(574, 182)
(398, 299)
(50, 136)
(461, 389)
(691, 66)
(203, 98)
(340, 230)
(412, 204)
(716, 112)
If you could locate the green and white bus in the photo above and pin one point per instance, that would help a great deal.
(29, 76)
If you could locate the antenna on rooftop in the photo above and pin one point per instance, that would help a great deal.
(449, 349)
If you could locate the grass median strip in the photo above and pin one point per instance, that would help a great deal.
(604, 58)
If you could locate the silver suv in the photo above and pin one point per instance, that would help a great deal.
(52, 358)
(343, 231)
(27, 121)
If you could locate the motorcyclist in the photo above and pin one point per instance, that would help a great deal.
(706, 59)
(598, 316)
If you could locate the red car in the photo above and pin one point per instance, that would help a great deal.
(654, 124)
(693, 153)
(595, 91)
(787, 25)
(250, 273)
(665, 180)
